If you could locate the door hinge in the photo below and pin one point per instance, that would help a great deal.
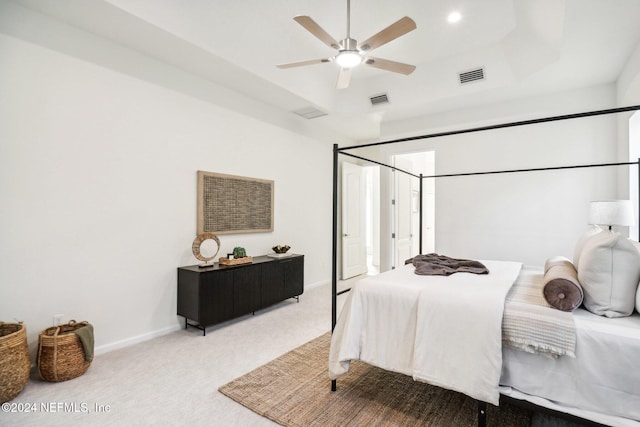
(393, 201)
(393, 235)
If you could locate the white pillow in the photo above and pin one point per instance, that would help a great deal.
(609, 272)
(637, 246)
(591, 231)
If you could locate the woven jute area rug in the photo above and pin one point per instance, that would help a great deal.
(295, 390)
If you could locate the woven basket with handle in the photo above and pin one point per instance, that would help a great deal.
(14, 360)
(61, 356)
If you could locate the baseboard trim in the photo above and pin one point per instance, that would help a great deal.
(106, 348)
(316, 284)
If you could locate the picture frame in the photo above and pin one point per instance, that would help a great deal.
(230, 204)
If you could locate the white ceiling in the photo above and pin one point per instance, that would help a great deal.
(526, 47)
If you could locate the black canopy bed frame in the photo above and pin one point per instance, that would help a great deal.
(337, 151)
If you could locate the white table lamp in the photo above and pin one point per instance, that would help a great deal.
(611, 212)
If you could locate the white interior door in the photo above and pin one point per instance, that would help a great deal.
(405, 214)
(354, 248)
(404, 217)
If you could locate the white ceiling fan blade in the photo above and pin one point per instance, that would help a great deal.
(392, 32)
(303, 63)
(344, 77)
(385, 64)
(315, 29)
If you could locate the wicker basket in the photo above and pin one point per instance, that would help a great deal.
(61, 356)
(14, 360)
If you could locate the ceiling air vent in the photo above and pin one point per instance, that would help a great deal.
(379, 99)
(471, 76)
(310, 113)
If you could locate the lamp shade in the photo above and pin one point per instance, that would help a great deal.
(611, 212)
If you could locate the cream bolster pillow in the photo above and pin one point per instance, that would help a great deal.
(562, 289)
(609, 272)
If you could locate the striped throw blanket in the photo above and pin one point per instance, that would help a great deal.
(530, 324)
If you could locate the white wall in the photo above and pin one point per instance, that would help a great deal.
(98, 192)
(628, 93)
(530, 216)
(634, 154)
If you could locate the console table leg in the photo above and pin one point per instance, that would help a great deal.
(202, 328)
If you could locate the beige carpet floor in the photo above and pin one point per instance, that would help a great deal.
(294, 390)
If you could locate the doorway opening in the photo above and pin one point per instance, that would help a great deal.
(405, 206)
(362, 211)
(372, 183)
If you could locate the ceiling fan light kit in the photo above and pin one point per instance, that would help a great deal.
(351, 54)
(348, 58)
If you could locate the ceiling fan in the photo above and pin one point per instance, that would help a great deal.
(351, 53)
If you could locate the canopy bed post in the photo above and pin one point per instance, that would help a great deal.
(420, 216)
(334, 240)
(334, 263)
(482, 414)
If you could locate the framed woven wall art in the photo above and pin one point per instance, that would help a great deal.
(229, 204)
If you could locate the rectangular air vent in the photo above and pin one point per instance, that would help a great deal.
(379, 99)
(310, 113)
(471, 76)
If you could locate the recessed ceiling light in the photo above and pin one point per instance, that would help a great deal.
(454, 17)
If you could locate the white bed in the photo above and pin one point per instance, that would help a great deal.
(602, 383)
(383, 323)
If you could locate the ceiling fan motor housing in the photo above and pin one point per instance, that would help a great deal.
(349, 44)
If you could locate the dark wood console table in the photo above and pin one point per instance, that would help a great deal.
(214, 294)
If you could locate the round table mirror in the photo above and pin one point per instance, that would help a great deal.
(205, 247)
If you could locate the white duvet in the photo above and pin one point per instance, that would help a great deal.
(443, 330)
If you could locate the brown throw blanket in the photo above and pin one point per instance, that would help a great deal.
(440, 265)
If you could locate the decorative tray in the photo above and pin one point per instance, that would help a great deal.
(236, 261)
(279, 255)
